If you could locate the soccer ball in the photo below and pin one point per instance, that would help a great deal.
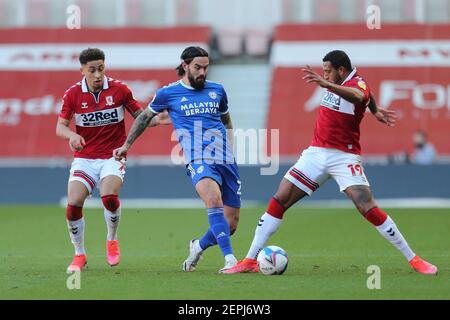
(272, 260)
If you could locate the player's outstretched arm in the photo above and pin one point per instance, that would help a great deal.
(76, 142)
(350, 94)
(139, 126)
(386, 116)
(161, 118)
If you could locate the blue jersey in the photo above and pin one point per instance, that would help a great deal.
(196, 117)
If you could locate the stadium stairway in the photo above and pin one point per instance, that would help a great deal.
(248, 89)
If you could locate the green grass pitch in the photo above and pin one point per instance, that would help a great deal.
(329, 252)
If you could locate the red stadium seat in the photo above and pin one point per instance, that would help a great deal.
(257, 42)
(230, 41)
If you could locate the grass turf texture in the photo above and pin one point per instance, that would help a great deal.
(329, 252)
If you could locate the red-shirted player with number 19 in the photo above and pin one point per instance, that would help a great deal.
(98, 105)
(334, 153)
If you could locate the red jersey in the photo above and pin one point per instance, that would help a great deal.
(337, 125)
(99, 119)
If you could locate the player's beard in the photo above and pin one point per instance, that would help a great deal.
(198, 83)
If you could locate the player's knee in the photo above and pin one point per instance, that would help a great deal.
(111, 202)
(73, 212)
(75, 199)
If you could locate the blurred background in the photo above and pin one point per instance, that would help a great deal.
(257, 47)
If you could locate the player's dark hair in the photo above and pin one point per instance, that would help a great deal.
(338, 58)
(91, 54)
(188, 55)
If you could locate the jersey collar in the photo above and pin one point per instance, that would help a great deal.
(84, 87)
(350, 76)
(185, 85)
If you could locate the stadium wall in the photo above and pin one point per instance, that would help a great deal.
(159, 183)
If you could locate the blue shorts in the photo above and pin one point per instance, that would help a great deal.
(226, 175)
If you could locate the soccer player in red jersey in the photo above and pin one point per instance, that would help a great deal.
(97, 104)
(334, 153)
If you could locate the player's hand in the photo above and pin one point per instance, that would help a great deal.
(120, 153)
(76, 142)
(386, 116)
(312, 77)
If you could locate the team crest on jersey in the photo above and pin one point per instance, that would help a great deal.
(109, 101)
(212, 95)
(200, 169)
(84, 105)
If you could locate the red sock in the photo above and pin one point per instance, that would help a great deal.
(74, 213)
(275, 209)
(376, 216)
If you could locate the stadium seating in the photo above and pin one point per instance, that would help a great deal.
(257, 41)
(230, 41)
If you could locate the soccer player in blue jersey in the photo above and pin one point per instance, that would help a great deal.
(199, 112)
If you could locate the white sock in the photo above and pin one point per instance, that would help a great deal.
(112, 223)
(230, 258)
(267, 225)
(390, 232)
(76, 232)
(197, 247)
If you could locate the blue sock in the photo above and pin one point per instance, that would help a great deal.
(208, 240)
(220, 229)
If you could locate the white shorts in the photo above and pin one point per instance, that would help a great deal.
(91, 171)
(316, 165)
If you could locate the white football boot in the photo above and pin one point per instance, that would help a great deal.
(194, 256)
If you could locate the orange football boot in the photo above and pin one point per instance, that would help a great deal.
(78, 263)
(248, 265)
(422, 266)
(112, 252)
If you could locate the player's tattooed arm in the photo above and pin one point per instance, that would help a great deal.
(160, 118)
(139, 126)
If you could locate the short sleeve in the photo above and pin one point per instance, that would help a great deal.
(159, 102)
(223, 107)
(130, 102)
(67, 109)
(362, 86)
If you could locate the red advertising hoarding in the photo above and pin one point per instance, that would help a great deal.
(38, 66)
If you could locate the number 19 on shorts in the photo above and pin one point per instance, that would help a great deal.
(355, 169)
